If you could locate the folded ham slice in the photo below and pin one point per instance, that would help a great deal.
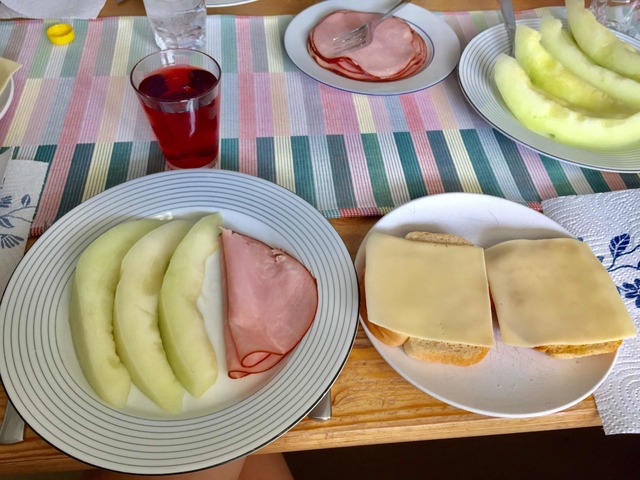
(271, 299)
(395, 52)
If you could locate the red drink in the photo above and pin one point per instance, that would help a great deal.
(182, 103)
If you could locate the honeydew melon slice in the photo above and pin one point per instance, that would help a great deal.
(541, 114)
(599, 43)
(135, 320)
(91, 309)
(559, 43)
(184, 337)
(551, 76)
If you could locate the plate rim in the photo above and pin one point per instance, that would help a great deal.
(512, 128)
(341, 344)
(382, 348)
(309, 67)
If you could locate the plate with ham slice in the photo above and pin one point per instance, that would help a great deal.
(411, 51)
(279, 259)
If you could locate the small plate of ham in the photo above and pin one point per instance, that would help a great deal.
(409, 52)
(247, 407)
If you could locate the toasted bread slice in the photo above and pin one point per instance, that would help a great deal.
(575, 351)
(441, 352)
(422, 349)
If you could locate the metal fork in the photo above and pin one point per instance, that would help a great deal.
(12, 430)
(361, 36)
(506, 7)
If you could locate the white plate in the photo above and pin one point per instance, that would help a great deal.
(41, 374)
(439, 36)
(510, 381)
(475, 73)
(226, 3)
(5, 97)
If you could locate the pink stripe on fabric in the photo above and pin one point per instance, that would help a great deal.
(35, 31)
(263, 99)
(53, 189)
(248, 161)
(380, 114)
(539, 176)
(427, 162)
(37, 123)
(360, 212)
(95, 108)
(243, 40)
(340, 114)
(614, 181)
(416, 122)
(246, 106)
(362, 187)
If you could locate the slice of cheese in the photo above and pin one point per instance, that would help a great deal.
(425, 290)
(7, 68)
(554, 292)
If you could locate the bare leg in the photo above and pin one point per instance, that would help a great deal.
(271, 466)
(229, 471)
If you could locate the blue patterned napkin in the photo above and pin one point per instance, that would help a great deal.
(610, 224)
(19, 195)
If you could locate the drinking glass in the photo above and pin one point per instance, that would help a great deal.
(179, 90)
(621, 15)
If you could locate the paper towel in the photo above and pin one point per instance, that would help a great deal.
(610, 224)
(19, 196)
(51, 8)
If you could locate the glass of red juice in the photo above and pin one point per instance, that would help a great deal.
(179, 90)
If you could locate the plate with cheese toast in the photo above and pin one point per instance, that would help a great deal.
(488, 305)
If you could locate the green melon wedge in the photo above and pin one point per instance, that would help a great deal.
(539, 113)
(91, 310)
(184, 336)
(600, 44)
(135, 320)
(551, 76)
(559, 43)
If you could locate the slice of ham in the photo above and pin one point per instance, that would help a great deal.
(395, 52)
(271, 300)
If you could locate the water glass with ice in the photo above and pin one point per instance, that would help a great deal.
(177, 23)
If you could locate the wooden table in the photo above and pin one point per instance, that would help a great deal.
(372, 404)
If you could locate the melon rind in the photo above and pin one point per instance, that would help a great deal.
(539, 113)
(551, 76)
(559, 43)
(601, 44)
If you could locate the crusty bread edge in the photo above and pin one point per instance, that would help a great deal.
(448, 353)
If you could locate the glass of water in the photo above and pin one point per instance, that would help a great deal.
(620, 15)
(177, 23)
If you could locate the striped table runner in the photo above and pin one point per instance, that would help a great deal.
(346, 154)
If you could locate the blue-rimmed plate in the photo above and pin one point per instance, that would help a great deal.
(42, 376)
(440, 37)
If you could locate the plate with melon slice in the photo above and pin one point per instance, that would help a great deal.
(41, 371)
(476, 77)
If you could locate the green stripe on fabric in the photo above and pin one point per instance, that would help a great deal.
(156, 160)
(40, 56)
(106, 48)
(139, 41)
(229, 58)
(596, 181)
(74, 53)
(377, 172)
(558, 176)
(340, 171)
(410, 166)
(78, 172)
(302, 169)
(283, 23)
(480, 162)
(443, 159)
(230, 154)
(631, 180)
(45, 153)
(119, 164)
(266, 158)
(517, 168)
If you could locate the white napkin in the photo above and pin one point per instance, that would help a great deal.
(610, 224)
(19, 196)
(51, 9)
